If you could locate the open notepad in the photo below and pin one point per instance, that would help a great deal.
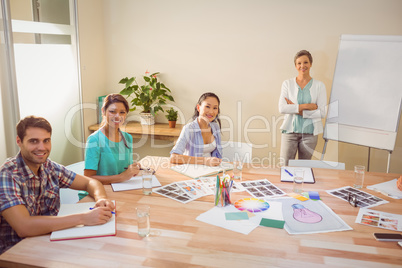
(133, 184)
(196, 171)
(288, 172)
(107, 229)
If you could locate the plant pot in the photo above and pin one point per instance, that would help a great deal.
(172, 124)
(147, 119)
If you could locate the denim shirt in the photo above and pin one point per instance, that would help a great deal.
(191, 143)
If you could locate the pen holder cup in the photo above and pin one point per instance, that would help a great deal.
(222, 194)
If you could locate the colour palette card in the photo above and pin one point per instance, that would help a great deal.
(262, 189)
(364, 200)
(251, 205)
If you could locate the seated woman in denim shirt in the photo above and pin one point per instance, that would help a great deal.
(200, 140)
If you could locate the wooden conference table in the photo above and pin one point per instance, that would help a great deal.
(178, 240)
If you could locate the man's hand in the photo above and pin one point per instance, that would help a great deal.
(105, 203)
(97, 216)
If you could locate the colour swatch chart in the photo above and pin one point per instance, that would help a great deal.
(251, 205)
(262, 189)
(363, 199)
(380, 219)
(210, 183)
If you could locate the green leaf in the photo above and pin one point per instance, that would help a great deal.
(130, 81)
(123, 80)
(147, 79)
(126, 91)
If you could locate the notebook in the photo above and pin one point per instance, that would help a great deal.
(107, 229)
(196, 171)
(287, 174)
(133, 184)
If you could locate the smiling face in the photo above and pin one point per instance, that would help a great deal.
(303, 65)
(115, 114)
(35, 147)
(208, 109)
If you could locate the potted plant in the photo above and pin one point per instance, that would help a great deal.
(171, 117)
(150, 96)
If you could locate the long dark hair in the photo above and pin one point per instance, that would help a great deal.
(201, 99)
(110, 99)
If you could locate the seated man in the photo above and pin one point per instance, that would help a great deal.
(29, 189)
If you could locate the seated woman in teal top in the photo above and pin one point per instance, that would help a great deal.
(109, 151)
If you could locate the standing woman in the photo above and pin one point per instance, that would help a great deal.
(109, 151)
(200, 140)
(303, 100)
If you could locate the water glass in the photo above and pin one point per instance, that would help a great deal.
(237, 170)
(147, 181)
(144, 226)
(359, 176)
(298, 180)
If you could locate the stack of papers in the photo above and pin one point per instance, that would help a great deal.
(218, 216)
(197, 171)
(388, 188)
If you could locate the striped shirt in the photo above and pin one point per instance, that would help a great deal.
(39, 194)
(191, 142)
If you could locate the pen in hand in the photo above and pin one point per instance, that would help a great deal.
(153, 171)
(94, 208)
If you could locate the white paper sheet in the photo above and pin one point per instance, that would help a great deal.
(286, 177)
(106, 229)
(380, 219)
(133, 184)
(304, 223)
(388, 188)
(364, 200)
(216, 216)
(196, 171)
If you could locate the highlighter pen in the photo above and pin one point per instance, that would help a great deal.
(94, 208)
(287, 171)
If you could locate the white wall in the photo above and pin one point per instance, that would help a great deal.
(241, 50)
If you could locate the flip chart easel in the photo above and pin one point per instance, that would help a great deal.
(366, 97)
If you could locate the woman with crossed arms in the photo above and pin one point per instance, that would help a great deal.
(303, 101)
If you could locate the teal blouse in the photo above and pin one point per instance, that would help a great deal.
(108, 157)
(300, 124)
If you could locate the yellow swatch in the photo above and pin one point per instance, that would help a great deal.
(297, 196)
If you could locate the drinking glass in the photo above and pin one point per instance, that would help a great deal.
(144, 226)
(298, 180)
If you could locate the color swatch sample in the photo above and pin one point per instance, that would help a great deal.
(272, 223)
(231, 216)
(251, 204)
